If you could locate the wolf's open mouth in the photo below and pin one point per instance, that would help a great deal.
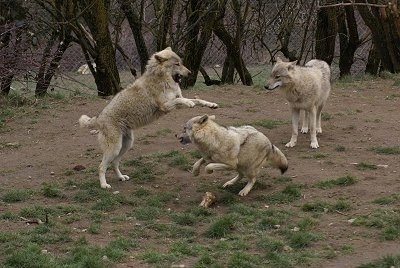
(177, 78)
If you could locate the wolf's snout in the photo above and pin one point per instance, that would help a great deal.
(183, 138)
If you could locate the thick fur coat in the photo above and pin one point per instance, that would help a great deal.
(243, 149)
(154, 94)
(306, 88)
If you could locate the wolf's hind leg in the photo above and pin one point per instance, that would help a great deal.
(127, 142)
(313, 132)
(232, 181)
(111, 145)
(248, 187)
(318, 124)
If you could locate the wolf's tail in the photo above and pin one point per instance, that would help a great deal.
(89, 122)
(277, 159)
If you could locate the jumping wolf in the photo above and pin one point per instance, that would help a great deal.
(154, 94)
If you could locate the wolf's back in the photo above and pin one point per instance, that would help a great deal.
(323, 66)
(278, 159)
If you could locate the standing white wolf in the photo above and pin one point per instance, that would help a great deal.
(243, 149)
(154, 94)
(306, 88)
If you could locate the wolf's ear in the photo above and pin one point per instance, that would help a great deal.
(159, 58)
(168, 48)
(212, 117)
(203, 119)
(292, 65)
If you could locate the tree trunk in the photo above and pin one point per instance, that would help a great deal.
(135, 24)
(166, 19)
(45, 75)
(228, 71)
(106, 75)
(326, 34)
(385, 28)
(349, 39)
(233, 52)
(374, 61)
(198, 36)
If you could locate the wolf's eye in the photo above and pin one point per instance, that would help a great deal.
(177, 64)
(277, 76)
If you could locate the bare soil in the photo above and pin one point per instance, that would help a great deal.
(359, 116)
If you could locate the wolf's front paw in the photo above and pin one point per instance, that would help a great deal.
(190, 104)
(124, 178)
(105, 186)
(304, 130)
(314, 145)
(212, 105)
(290, 144)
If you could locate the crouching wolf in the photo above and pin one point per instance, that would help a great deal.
(154, 94)
(243, 149)
(306, 88)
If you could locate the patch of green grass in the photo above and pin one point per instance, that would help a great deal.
(51, 190)
(184, 248)
(146, 213)
(365, 166)
(326, 116)
(324, 206)
(340, 148)
(176, 159)
(196, 154)
(386, 200)
(386, 220)
(144, 169)
(30, 255)
(300, 239)
(393, 96)
(387, 261)
(268, 123)
(109, 201)
(221, 227)
(386, 150)
(289, 194)
(156, 257)
(340, 181)
(184, 218)
(16, 195)
(164, 132)
(315, 156)
(206, 261)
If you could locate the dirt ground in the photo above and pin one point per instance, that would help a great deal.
(359, 116)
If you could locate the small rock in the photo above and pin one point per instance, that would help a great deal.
(287, 248)
(104, 258)
(277, 226)
(351, 220)
(116, 192)
(52, 173)
(94, 131)
(296, 229)
(44, 251)
(79, 167)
